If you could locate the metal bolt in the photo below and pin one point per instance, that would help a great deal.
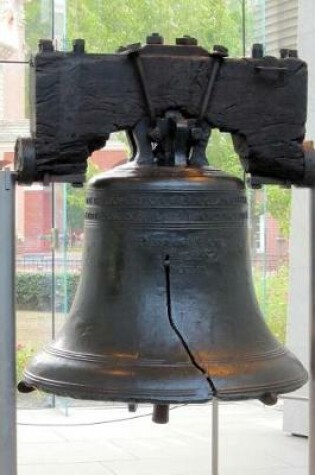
(45, 46)
(78, 46)
(155, 134)
(196, 133)
(257, 51)
(293, 53)
(284, 53)
(220, 50)
(187, 40)
(155, 39)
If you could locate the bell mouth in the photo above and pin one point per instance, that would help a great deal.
(103, 379)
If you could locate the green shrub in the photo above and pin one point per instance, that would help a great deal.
(273, 300)
(34, 290)
(23, 355)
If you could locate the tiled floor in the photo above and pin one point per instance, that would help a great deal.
(251, 443)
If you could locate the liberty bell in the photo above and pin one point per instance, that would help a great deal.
(165, 311)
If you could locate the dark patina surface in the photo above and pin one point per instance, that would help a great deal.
(79, 99)
(165, 311)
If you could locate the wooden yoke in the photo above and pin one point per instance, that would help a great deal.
(78, 99)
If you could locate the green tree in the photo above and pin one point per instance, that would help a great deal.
(106, 26)
(272, 295)
(221, 154)
(279, 206)
(38, 23)
(76, 201)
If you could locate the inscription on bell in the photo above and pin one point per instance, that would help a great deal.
(168, 216)
(188, 249)
(160, 200)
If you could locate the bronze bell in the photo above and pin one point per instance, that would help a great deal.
(165, 311)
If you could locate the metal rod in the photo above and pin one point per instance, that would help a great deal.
(244, 27)
(8, 451)
(265, 251)
(54, 238)
(53, 272)
(53, 32)
(216, 63)
(145, 89)
(13, 62)
(215, 437)
(312, 337)
(293, 398)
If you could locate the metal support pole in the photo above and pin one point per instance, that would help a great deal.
(312, 337)
(215, 436)
(8, 452)
(244, 27)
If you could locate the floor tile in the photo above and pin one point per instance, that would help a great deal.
(65, 469)
(251, 442)
(71, 452)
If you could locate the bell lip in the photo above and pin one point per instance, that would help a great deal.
(85, 392)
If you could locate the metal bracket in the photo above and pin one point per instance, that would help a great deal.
(217, 56)
(256, 182)
(312, 336)
(133, 51)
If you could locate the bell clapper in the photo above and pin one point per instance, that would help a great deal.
(160, 413)
(215, 436)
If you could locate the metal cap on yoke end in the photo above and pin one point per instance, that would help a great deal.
(25, 160)
(309, 164)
